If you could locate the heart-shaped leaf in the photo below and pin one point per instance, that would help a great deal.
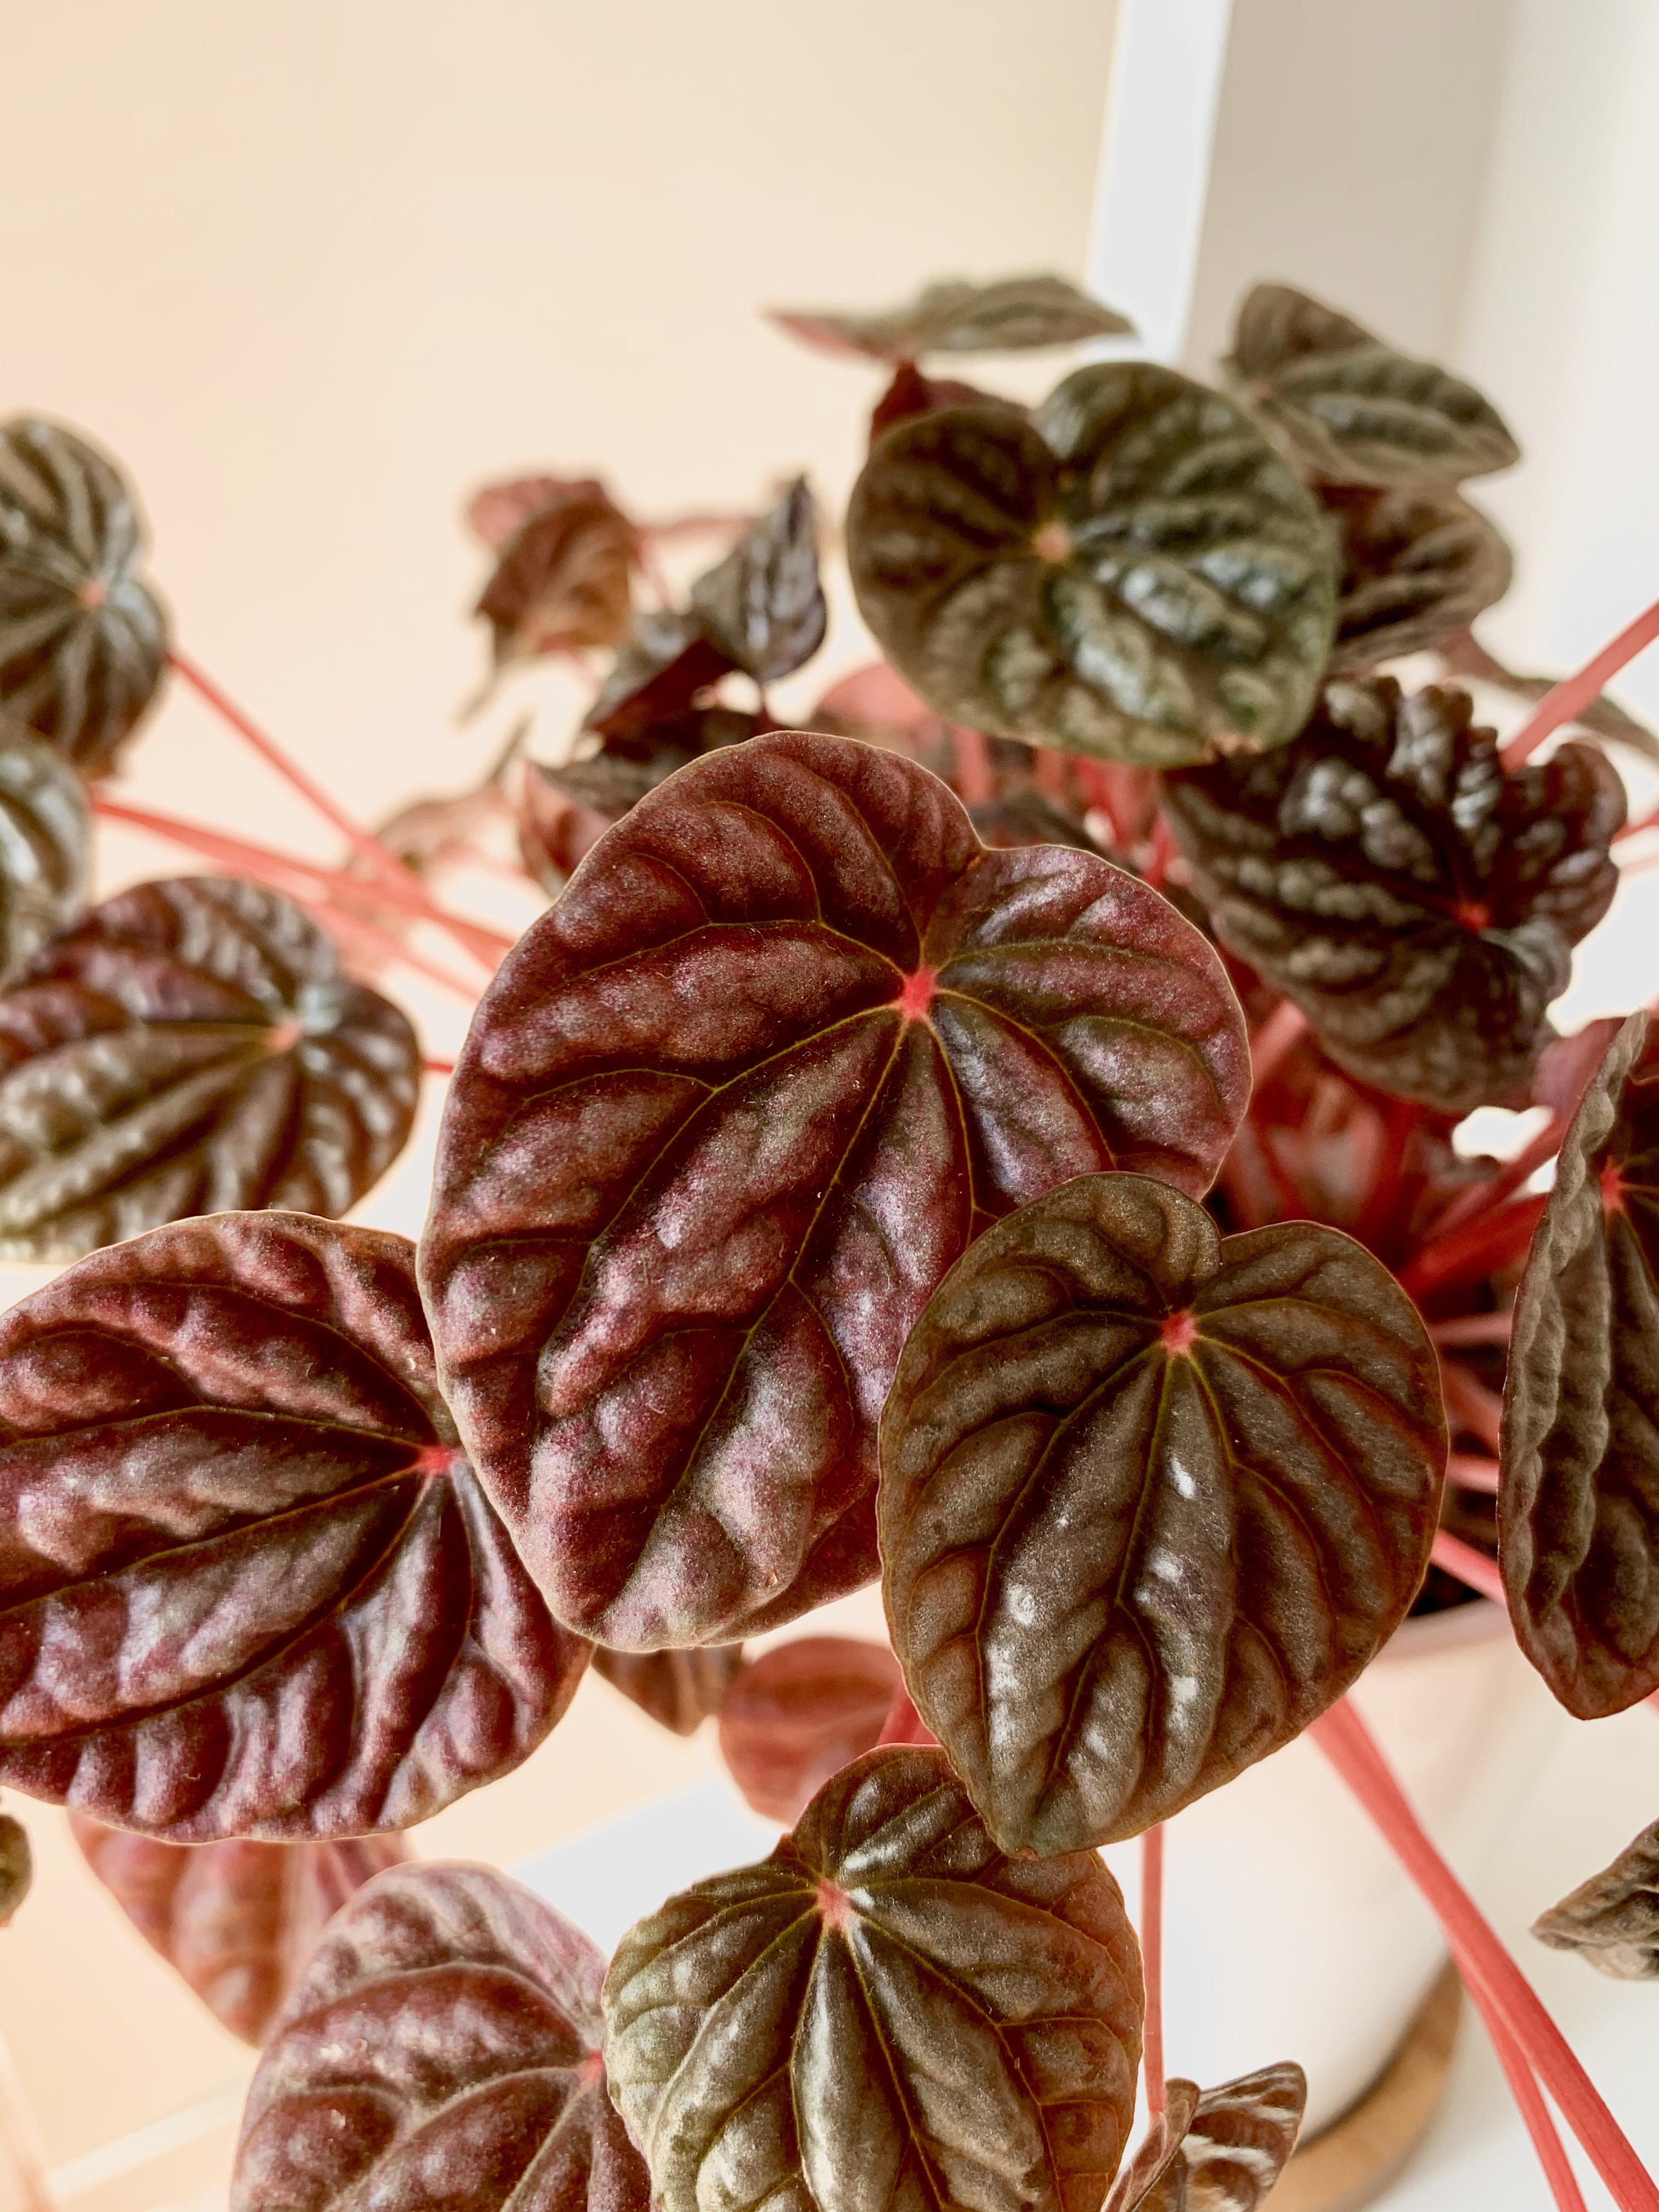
(1417, 903)
(885, 2013)
(46, 845)
(1220, 2151)
(190, 1047)
(1013, 314)
(250, 1586)
(562, 581)
(1350, 407)
(82, 640)
(679, 1689)
(1613, 1919)
(799, 1713)
(1578, 1511)
(1134, 574)
(762, 603)
(1417, 566)
(442, 2049)
(1150, 1501)
(725, 1117)
(238, 1920)
(16, 1866)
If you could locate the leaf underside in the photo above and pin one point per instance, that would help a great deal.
(562, 582)
(1220, 2151)
(1613, 1919)
(1013, 314)
(799, 1713)
(680, 1690)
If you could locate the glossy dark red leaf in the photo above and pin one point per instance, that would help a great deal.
(1578, 1510)
(1010, 314)
(238, 1920)
(799, 1713)
(911, 393)
(1417, 566)
(886, 2012)
(1417, 902)
(725, 1117)
(1613, 1919)
(562, 581)
(192, 1046)
(1150, 1501)
(763, 604)
(667, 663)
(1222, 2150)
(441, 2050)
(250, 1585)
(679, 1689)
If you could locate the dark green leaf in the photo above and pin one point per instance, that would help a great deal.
(1417, 565)
(762, 603)
(1221, 2151)
(885, 2013)
(1013, 314)
(1135, 573)
(46, 845)
(1150, 1501)
(1350, 407)
(1613, 1919)
(1417, 903)
(679, 1689)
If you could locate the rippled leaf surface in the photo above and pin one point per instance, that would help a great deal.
(763, 604)
(1613, 1919)
(238, 1920)
(1011, 315)
(1352, 410)
(1579, 1502)
(799, 1713)
(1419, 905)
(192, 1046)
(46, 845)
(725, 1117)
(1134, 574)
(249, 1586)
(1417, 566)
(679, 1689)
(562, 581)
(1220, 2151)
(83, 640)
(442, 2049)
(885, 2012)
(1150, 1501)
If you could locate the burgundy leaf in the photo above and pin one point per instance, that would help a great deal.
(83, 640)
(1133, 574)
(885, 2013)
(499, 511)
(1417, 566)
(562, 581)
(911, 393)
(565, 810)
(441, 2050)
(1579, 1499)
(1417, 903)
(250, 1585)
(192, 1047)
(762, 603)
(1613, 1919)
(667, 661)
(16, 1866)
(238, 1920)
(679, 1689)
(1150, 1501)
(799, 1713)
(1221, 2151)
(1012, 314)
(725, 1117)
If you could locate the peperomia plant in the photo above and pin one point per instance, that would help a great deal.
(999, 1139)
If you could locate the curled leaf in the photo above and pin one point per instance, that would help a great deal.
(82, 640)
(725, 1117)
(885, 2012)
(1613, 1919)
(1350, 407)
(562, 581)
(239, 1921)
(1150, 1501)
(1578, 1511)
(679, 1689)
(799, 1713)
(1417, 902)
(1417, 566)
(762, 603)
(442, 2048)
(1133, 574)
(668, 660)
(1221, 2151)
(250, 1585)
(190, 1048)
(16, 1867)
(1012, 314)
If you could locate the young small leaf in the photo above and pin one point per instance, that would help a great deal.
(1417, 566)
(1417, 903)
(679, 1689)
(725, 1117)
(1578, 1507)
(499, 511)
(192, 1047)
(763, 604)
(1150, 1501)
(885, 2012)
(667, 660)
(1221, 2151)
(1613, 1919)
(1014, 314)
(250, 1586)
(82, 640)
(1133, 574)
(799, 1713)
(238, 1920)
(562, 581)
(46, 845)
(1350, 407)
(442, 2049)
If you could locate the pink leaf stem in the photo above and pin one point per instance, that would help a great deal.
(1523, 2088)
(1469, 1204)
(1574, 693)
(1470, 1471)
(1471, 1567)
(1470, 1405)
(1275, 1037)
(903, 1723)
(439, 1066)
(1473, 1328)
(1151, 1966)
(973, 759)
(1481, 1247)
